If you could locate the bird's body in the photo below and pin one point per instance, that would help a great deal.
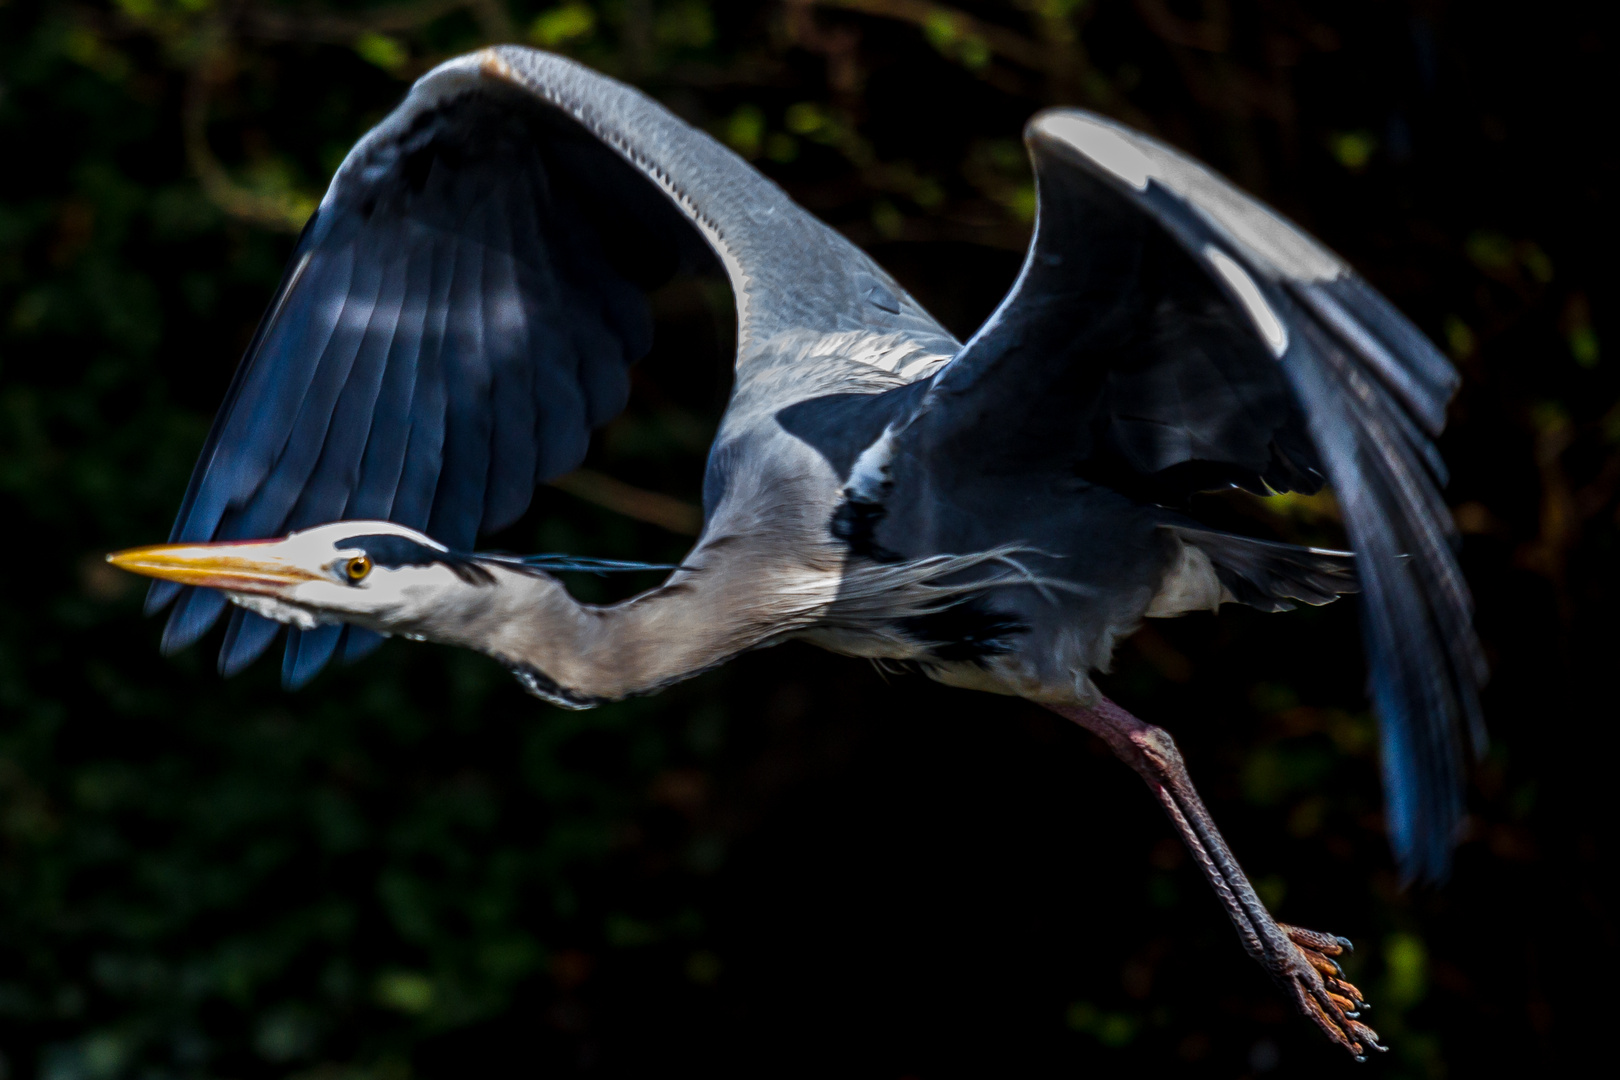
(463, 309)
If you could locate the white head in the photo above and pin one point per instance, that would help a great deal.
(374, 574)
(395, 580)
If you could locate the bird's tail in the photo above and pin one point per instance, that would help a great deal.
(1271, 576)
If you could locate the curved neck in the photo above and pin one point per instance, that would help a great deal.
(579, 655)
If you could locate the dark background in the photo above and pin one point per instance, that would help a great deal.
(791, 866)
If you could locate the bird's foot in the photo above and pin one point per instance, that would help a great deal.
(1323, 993)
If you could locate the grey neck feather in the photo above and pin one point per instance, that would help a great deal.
(579, 655)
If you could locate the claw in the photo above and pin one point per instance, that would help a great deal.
(1345, 944)
(1348, 989)
(1367, 1035)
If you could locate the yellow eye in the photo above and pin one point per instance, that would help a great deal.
(357, 568)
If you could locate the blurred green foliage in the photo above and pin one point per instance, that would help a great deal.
(792, 865)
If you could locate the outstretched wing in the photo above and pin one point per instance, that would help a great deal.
(464, 306)
(1176, 335)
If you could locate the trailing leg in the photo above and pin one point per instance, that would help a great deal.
(1300, 960)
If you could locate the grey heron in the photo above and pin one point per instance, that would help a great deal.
(462, 311)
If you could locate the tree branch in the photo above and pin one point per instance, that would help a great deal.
(280, 211)
(665, 511)
(276, 24)
(1007, 44)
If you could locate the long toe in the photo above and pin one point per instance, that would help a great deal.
(1325, 944)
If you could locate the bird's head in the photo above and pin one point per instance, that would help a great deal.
(375, 574)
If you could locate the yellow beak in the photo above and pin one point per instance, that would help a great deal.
(249, 566)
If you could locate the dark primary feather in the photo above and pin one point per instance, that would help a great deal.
(1169, 334)
(459, 314)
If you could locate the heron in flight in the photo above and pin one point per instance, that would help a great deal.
(464, 307)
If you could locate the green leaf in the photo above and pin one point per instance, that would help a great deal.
(1406, 970)
(745, 130)
(1353, 149)
(404, 991)
(386, 52)
(562, 25)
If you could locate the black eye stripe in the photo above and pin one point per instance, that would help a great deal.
(391, 552)
(387, 550)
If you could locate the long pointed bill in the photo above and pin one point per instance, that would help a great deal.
(251, 566)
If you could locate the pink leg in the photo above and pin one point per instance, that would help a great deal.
(1300, 960)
